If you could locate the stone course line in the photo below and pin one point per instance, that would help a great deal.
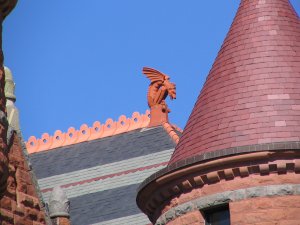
(228, 196)
(109, 176)
(106, 184)
(106, 170)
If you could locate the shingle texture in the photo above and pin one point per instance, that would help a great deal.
(100, 177)
(100, 152)
(110, 204)
(251, 95)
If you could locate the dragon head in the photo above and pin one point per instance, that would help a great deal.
(171, 87)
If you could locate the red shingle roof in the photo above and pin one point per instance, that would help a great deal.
(252, 93)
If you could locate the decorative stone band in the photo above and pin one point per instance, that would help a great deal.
(226, 197)
(221, 153)
(107, 171)
(153, 195)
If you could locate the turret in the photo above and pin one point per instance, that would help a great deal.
(238, 159)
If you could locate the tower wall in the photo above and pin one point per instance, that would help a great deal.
(268, 183)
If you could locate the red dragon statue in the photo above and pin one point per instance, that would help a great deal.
(159, 89)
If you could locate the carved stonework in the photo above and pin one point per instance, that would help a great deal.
(59, 205)
(9, 85)
(6, 6)
(159, 89)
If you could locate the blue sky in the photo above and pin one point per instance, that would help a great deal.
(76, 62)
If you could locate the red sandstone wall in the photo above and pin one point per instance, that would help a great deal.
(254, 180)
(192, 218)
(279, 210)
(284, 210)
(266, 211)
(20, 204)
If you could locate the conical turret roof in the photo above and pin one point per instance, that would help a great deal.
(252, 93)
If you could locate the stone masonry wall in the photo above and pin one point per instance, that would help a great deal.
(261, 198)
(192, 218)
(20, 204)
(238, 183)
(284, 210)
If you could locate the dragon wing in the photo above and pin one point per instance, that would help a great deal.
(153, 75)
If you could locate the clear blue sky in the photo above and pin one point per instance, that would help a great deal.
(76, 62)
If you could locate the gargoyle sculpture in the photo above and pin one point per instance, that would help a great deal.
(159, 89)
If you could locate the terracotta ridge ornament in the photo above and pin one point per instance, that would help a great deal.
(85, 133)
(159, 89)
(170, 129)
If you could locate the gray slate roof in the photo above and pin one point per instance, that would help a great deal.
(112, 202)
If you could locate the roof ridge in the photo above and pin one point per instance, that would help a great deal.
(85, 133)
(170, 129)
(176, 128)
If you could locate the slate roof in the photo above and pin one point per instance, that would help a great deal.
(251, 95)
(101, 176)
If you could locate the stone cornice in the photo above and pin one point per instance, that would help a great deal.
(154, 195)
(218, 154)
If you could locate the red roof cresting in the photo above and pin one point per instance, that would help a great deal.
(252, 93)
(97, 131)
